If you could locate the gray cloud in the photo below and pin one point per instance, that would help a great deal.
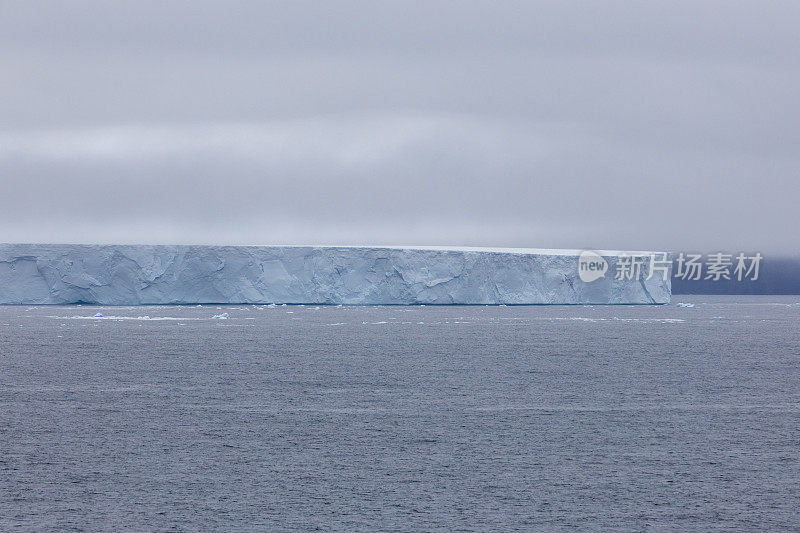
(613, 125)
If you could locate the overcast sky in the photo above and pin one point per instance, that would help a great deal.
(643, 125)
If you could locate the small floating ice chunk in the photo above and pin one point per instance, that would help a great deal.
(221, 316)
(98, 315)
(684, 304)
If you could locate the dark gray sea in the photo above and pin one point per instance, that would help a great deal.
(299, 418)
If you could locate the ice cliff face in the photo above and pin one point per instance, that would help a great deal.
(133, 275)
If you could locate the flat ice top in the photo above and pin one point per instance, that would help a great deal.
(534, 251)
(527, 251)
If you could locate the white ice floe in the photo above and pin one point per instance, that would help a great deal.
(115, 317)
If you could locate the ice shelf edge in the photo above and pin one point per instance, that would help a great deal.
(158, 274)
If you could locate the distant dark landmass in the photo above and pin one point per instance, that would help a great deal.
(777, 275)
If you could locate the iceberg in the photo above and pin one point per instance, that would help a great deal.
(187, 274)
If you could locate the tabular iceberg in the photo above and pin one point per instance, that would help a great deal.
(143, 274)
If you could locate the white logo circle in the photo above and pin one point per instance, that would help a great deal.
(591, 266)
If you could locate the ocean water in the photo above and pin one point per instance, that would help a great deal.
(402, 418)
